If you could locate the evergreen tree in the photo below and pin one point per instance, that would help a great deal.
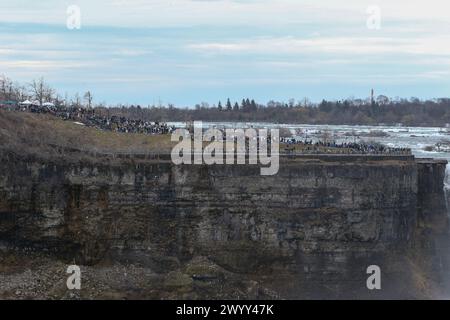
(253, 105)
(243, 105)
(236, 107)
(229, 107)
(219, 106)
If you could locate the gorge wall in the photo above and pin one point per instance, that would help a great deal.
(310, 231)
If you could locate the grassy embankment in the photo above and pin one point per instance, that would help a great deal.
(47, 136)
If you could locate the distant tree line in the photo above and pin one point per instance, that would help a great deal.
(352, 111)
(410, 112)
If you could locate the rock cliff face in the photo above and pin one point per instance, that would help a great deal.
(308, 232)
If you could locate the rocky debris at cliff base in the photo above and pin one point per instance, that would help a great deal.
(36, 276)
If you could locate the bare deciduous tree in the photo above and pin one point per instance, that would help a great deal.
(41, 91)
(88, 98)
(76, 100)
(6, 88)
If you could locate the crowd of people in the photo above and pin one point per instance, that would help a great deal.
(308, 146)
(90, 118)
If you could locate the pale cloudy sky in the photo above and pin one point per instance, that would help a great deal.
(188, 51)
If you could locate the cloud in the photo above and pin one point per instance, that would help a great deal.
(163, 13)
(439, 45)
(45, 65)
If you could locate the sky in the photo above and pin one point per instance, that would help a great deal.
(190, 51)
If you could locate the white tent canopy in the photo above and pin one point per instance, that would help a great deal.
(48, 104)
(26, 103)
